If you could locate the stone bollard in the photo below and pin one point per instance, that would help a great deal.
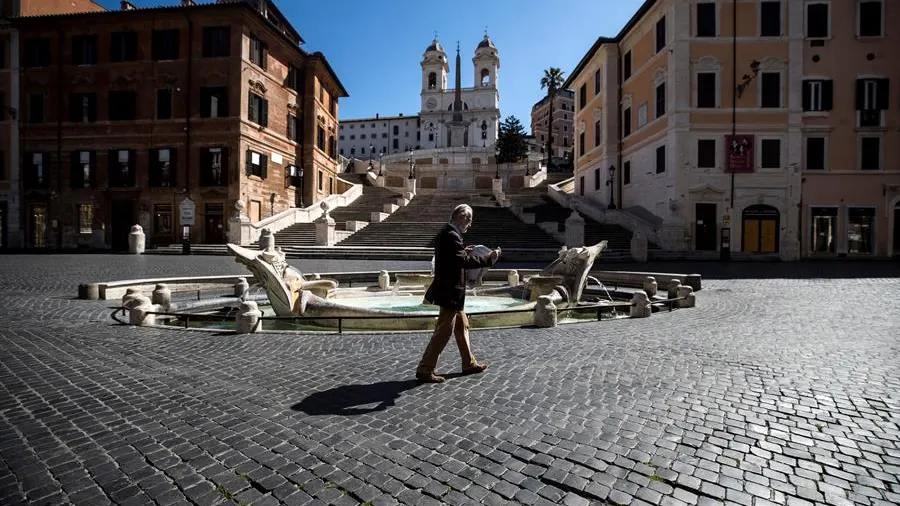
(162, 296)
(650, 286)
(130, 295)
(247, 319)
(266, 239)
(545, 312)
(689, 299)
(137, 241)
(384, 280)
(241, 288)
(140, 306)
(89, 291)
(513, 278)
(673, 288)
(640, 305)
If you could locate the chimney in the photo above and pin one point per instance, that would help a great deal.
(127, 6)
(376, 115)
(187, 3)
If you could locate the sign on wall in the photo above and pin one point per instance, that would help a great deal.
(187, 208)
(739, 153)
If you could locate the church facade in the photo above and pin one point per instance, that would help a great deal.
(459, 117)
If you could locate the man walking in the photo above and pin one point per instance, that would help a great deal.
(448, 290)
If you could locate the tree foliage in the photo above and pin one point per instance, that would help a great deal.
(553, 78)
(511, 144)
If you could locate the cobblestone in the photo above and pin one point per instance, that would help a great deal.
(781, 387)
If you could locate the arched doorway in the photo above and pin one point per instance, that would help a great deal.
(760, 226)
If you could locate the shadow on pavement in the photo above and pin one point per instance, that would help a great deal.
(349, 400)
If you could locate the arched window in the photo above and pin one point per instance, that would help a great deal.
(485, 77)
(432, 81)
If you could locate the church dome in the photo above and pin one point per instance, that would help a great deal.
(435, 46)
(486, 43)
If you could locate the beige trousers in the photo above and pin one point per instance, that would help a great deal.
(450, 321)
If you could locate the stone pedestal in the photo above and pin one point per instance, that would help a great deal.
(410, 185)
(136, 240)
(497, 186)
(162, 295)
(325, 232)
(545, 315)
(574, 230)
(131, 294)
(513, 278)
(639, 248)
(640, 305)
(247, 319)
(672, 288)
(98, 238)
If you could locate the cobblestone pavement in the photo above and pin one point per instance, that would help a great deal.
(780, 390)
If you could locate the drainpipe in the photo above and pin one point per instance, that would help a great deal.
(619, 130)
(59, 129)
(733, 85)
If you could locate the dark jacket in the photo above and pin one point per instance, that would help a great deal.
(450, 263)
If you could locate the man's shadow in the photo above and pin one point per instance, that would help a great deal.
(349, 400)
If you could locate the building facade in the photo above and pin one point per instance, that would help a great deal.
(367, 138)
(563, 123)
(129, 115)
(723, 124)
(10, 92)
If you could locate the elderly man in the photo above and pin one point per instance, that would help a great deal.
(448, 290)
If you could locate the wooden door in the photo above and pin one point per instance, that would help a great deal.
(751, 236)
(768, 236)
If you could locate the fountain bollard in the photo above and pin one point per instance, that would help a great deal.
(689, 299)
(162, 296)
(513, 278)
(673, 288)
(130, 295)
(241, 288)
(247, 319)
(650, 286)
(137, 241)
(545, 315)
(384, 280)
(89, 291)
(640, 305)
(140, 306)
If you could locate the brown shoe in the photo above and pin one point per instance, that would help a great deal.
(474, 369)
(429, 378)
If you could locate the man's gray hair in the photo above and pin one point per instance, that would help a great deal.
(459, 211)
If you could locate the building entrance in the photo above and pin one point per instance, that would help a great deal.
(121, 218)
(705, 227)
(760, 225)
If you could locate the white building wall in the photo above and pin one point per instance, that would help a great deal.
(352, 144)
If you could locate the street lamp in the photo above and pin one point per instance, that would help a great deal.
(301, 186)
(412, 165)
(381, 164)
(612, 190)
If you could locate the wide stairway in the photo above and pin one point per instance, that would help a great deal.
(372, 199)
(417, 224)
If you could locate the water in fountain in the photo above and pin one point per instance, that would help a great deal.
(396, 286)
(595, 280)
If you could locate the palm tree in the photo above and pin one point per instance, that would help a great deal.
(552, 80)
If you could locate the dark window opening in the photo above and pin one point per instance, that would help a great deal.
(870, 158)
(815, 153)
(770, 19)
(258, 110)
(870, 19)
(122, 105)
(660, 159)
(706, 19)
(817, 20)
(84, 50)
(164, 103)
(706, 153)
(216, 41)
(165, 45)
(36, 53)
(213, 102)
(123, 46)
(660, 34)
(706, 90)
(771, 90)
(771, 154)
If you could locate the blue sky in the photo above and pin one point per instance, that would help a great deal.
(375, 46)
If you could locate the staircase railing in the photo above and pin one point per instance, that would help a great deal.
(563, 193)
(241, 231)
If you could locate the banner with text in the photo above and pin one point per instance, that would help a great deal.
(739, 153)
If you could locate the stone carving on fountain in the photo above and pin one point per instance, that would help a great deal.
(571, 269)
(284, 284)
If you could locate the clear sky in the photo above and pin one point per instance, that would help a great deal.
(375, 46)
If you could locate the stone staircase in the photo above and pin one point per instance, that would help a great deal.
(417, 224)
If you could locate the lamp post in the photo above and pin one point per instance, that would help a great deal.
(412, 165)
(381, 164)
(612, 189)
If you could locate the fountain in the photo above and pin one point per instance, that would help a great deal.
(291, 295)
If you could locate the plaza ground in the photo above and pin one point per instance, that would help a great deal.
(781, 387)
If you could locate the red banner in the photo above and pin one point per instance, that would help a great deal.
(739, 153)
